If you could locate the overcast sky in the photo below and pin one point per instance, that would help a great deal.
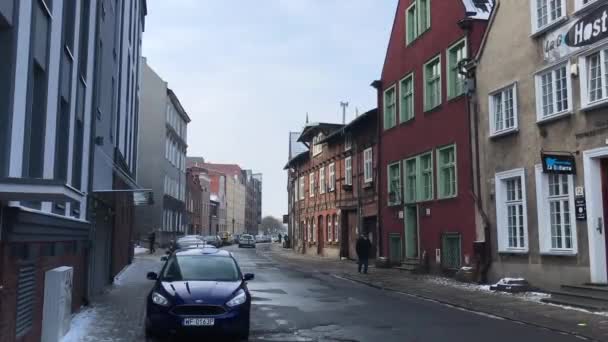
(248, 71)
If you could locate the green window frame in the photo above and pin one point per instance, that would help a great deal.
(417, 19)
(455, 54)
(411, 23)
(406, 105)
(432, 83)
(394, 183)
(418, 176)
(390, 115)
(447, 181)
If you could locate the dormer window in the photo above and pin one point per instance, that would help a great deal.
(317, 147)
(348, 142)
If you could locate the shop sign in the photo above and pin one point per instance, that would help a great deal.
(560, 164)
(580, 206)
(577, 34)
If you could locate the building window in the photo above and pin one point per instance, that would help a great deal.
(301, 185)
(546, 12)
(311, 184)
(456, 53)
(348, 142)
(314, 230)
(336, 229)
(553, 89)
(419, 178)
(594, 78)
(581, 4)
(69, 17)
(368, 166)
(328, 229)
(390, 118)
(511, 211)
(322, 183)
(394, 184)
(332, 177)
(556, 215)
(406, 106)
(446, 165)
(503, 110)
(432, 83)
(317, 147)
(348, 171)
(418, 19)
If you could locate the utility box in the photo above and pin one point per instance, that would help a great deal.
(57, 309)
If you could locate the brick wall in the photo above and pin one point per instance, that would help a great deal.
(9, 273)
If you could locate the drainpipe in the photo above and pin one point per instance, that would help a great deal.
(485, 254)
(377, 84)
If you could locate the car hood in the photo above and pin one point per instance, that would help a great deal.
(192, 292)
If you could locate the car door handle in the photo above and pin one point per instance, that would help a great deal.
(600, 225)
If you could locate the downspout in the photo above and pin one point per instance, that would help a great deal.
(484, 259)
(377, 84)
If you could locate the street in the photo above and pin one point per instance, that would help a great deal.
(292, 304)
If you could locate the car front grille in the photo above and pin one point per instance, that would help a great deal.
(198, 310)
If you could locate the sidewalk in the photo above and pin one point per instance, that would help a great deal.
(524, 308)
(118, 315)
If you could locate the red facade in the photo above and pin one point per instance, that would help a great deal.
(428, 225)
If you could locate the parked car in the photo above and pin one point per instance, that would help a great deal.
(246, 240)
(213, 240)
(189, 241)
(199, 292)
(226, 238)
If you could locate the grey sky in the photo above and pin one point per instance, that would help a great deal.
(248, 71)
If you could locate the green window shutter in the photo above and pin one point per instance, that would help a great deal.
(411, 24)
(407, 99)
(411, 180)
(446, 160)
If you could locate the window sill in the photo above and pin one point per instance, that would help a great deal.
(394, 205)
(447, 197)
(554, 117)
(406, 122)
(504, 132)
(594, 105)
(549, 27)
(456, 97)
(513, 251)
(433, 109)
(559, 252)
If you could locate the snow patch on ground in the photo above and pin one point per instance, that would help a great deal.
(80, 326)
(140, 250)
(120, 278)
(528, 296)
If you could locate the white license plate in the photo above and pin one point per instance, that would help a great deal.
(198, 322)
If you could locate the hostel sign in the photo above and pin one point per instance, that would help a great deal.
(560, 164)
(577, 34)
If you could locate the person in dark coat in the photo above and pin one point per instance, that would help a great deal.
(363, 248)
(152, 241)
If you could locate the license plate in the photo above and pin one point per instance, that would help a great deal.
(199, 322)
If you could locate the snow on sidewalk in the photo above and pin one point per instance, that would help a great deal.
(140, 250)
(81, 325)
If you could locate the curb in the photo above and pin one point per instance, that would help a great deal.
(460, 306)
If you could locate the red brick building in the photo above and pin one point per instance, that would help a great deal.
(194, 205)
(427, 210)
(334, 187)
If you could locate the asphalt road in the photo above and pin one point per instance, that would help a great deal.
(292, 305)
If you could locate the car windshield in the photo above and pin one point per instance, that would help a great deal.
(200, 268)
(246, 237)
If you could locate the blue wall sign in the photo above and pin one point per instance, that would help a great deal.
(561, 164)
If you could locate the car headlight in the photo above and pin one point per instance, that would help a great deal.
(238, 299)
(159, 299)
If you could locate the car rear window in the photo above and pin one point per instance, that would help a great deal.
(200, 268)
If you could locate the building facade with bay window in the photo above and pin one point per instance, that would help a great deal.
(542, 132)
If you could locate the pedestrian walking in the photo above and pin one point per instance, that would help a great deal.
(280, 237)
(152, 241)
(363, 248)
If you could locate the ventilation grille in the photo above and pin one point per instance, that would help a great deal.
(26, 287)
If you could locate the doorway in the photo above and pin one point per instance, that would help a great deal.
(411, 232)
(320, 230)
(595, 164)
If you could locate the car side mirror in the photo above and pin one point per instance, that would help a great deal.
(164, 258)
(248, 276)
(152, 276)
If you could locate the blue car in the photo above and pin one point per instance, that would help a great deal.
(199, 292)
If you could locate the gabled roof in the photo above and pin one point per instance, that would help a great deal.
(297, 159)
(227, 169)
(311, 130)
(355, 123)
